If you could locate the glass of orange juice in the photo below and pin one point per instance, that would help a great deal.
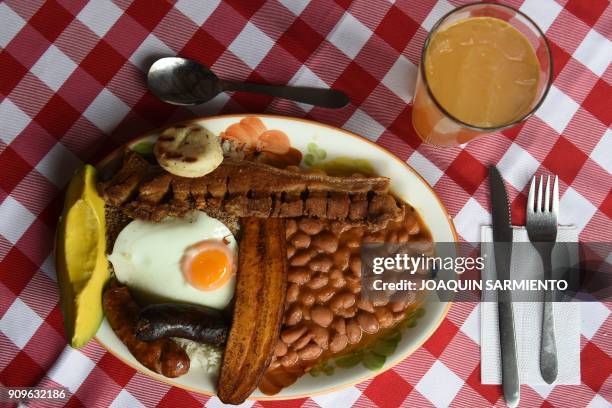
(484, 67)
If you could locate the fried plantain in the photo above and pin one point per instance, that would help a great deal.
(258, 312)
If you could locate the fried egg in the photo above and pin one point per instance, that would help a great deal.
(189, 260)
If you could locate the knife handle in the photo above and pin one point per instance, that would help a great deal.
(510, 377)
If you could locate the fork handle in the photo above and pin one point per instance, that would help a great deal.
(548, 347)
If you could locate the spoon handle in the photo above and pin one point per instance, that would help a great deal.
(326, 98)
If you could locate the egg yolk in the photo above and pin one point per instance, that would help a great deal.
(207, 265)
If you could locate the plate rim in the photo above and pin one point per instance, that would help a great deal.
(239, 116)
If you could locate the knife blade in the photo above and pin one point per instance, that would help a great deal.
(502, 246)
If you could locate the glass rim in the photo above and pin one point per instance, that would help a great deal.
(458, 121)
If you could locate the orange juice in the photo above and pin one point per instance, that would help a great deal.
(483, 74)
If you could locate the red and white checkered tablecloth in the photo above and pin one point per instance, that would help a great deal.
(72, 88)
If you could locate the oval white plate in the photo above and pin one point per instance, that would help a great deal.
(406, 184)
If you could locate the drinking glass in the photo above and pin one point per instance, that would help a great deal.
(433, 123)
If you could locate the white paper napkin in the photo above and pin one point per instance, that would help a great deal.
(526, 263)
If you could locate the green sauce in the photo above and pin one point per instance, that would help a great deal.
(343, 166)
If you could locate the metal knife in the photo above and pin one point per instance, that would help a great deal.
(502, 244)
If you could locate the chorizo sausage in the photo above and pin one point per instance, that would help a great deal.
(162, 356)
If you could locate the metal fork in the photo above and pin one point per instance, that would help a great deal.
(542, 216)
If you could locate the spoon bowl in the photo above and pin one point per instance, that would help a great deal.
(181, 81)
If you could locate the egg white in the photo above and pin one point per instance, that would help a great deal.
(146, 257)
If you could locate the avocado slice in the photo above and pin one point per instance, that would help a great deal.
(80, 257)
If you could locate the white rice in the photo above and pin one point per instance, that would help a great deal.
(201, 355)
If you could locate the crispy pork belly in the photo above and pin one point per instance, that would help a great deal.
(250, 189)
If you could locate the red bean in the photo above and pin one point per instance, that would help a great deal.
(318, 281)
(301, 257)
(321, 315)
(349, 312)
(294, 315)
(300, 240)
(341, 258)
(290, 251)
(365, 305)
(293, 291)
(325, 241)
(320, 263)
(341, 301)
(302, 341)
(339, 325)
(291, 334)
(380, 298)
(290, 228)
(353, 331)
(336, 278)
(310, 352)
(354, 284)
(298, 275)
(338, 343)
(306, 297)
(289, 359)
(355, 265)
(398, 305)
(320, 336)
(280, 349)
(384, 317)
(368, 322)
(324, 294)
(335, 273)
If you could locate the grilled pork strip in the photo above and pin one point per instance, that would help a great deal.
(125, 182)
(250, 189)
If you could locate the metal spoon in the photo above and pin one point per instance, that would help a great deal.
(181, 81)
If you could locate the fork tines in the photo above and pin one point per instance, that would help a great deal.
(534, 206)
